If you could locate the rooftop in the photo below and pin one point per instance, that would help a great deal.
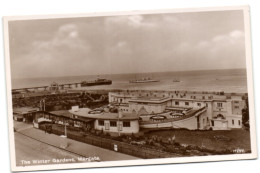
(65, 113)
(25, 110)
(84, 112)
(150, 99)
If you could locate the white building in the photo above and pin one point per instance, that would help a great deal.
(113, 123)
(222, 111)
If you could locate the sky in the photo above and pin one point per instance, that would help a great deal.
(127, 44)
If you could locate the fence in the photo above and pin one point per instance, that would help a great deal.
(122, 147)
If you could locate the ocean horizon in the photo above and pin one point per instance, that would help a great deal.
(227, 80)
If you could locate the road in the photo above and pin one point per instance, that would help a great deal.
(33, 144)
(27, 150)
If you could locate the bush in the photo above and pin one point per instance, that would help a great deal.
(176, 144)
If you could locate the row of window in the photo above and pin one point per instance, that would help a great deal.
(187, 103)
(192, 97)
(233, 122)
(113, 123)
(124, 109)
(219, 105)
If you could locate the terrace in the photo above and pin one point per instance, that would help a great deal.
(175, 117)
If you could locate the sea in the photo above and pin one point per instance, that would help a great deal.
(228, 80)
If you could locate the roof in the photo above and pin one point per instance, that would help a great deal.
(84, 112)
(150, 99)
(25, 110)
(65, 113)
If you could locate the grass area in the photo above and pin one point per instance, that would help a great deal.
(214, 140)
(186, 142)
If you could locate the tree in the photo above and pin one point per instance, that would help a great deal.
(245, 114)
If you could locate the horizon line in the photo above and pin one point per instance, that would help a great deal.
(128, 73)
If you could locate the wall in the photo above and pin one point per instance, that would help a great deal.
(134, 127)
(150, 107)
(237, 106)
(230, 107)
(189, 123)
(220, 125)
(236, 119)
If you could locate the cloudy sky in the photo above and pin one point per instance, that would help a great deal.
(127, 44)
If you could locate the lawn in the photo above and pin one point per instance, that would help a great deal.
(214, 140)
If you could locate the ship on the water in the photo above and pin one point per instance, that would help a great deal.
(98, 81)
(176, 80)
(144, 80)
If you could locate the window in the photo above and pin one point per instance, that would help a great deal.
(238, 122)
(203, 97)
(126, 124)
(236, 101)
(236, 107)
(187, 103)
(176, 103)
(219, 105)
(199, 104)
(233, 122)
(206, 104)
(112, 123)
(100, 122)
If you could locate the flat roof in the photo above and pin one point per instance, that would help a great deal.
(65, 113)
(199, 100)
(84, 112)
(150, 99)
(25, 110)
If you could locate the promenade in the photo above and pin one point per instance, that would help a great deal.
(31, 143)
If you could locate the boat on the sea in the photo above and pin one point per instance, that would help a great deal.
(143, 80)
(176, 80)
(98, 81)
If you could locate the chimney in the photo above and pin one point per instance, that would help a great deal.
(75, 108)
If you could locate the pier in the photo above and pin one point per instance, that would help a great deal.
(53, 86)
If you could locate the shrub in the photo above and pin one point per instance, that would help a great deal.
(176, 144)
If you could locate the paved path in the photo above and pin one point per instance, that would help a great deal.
(28, 151)
(24, 149)
(19, 126)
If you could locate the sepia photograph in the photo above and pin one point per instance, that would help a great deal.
(129, 88)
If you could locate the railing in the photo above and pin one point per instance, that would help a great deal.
(123, 92)
(122, 147)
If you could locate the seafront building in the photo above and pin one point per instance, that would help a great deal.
(113, 123)
(182, 109)
(24, 114)
(143, 109)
